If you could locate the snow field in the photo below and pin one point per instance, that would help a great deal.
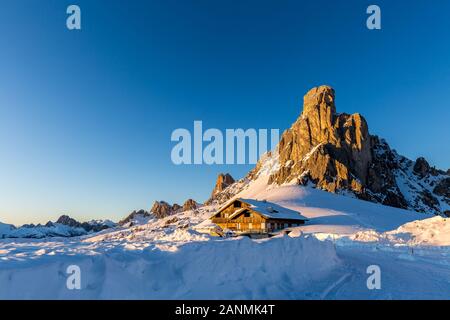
(238, 268)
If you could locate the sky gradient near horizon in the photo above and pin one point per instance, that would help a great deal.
(86, 116)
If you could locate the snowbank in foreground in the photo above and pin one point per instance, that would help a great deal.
(216, 269)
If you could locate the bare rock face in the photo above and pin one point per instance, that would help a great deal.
(176, 207)
(222, 182)
(68, 221)
(421, 167)
(190, 205)
(162, 209)
(219, 193)
(334, 149)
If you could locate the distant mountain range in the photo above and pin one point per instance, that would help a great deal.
(63, 227)
(66, 226)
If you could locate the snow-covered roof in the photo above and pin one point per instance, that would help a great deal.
(270, 210)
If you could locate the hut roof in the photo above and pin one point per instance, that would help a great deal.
(267, 209)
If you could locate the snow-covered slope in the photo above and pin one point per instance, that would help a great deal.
(430, 232)
(170, 257)
(164, 258)
(330, 212)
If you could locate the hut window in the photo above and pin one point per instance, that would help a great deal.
(237, 204)
(247, 214)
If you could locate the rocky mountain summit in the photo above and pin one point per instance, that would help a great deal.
(162, 209)
(190, 204)
(335, 152)
(223, 181)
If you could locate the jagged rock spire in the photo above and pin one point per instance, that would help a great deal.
(333, 148)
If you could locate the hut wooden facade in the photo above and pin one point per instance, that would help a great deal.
(253, 216)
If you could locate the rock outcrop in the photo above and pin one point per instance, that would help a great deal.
(421, 167)
(332, 150)
(136, 217)
(443, 189)
(68, 221)
(190, 204)
(159, 209)
(219, 193)
(162, 209)
(176, 207)
(222, 182)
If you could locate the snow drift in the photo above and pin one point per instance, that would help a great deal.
(220, 269)
(428, 232)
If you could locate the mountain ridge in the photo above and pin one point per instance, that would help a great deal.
(335, 152)
(64, 226)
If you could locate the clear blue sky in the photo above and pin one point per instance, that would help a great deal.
(86, 116)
